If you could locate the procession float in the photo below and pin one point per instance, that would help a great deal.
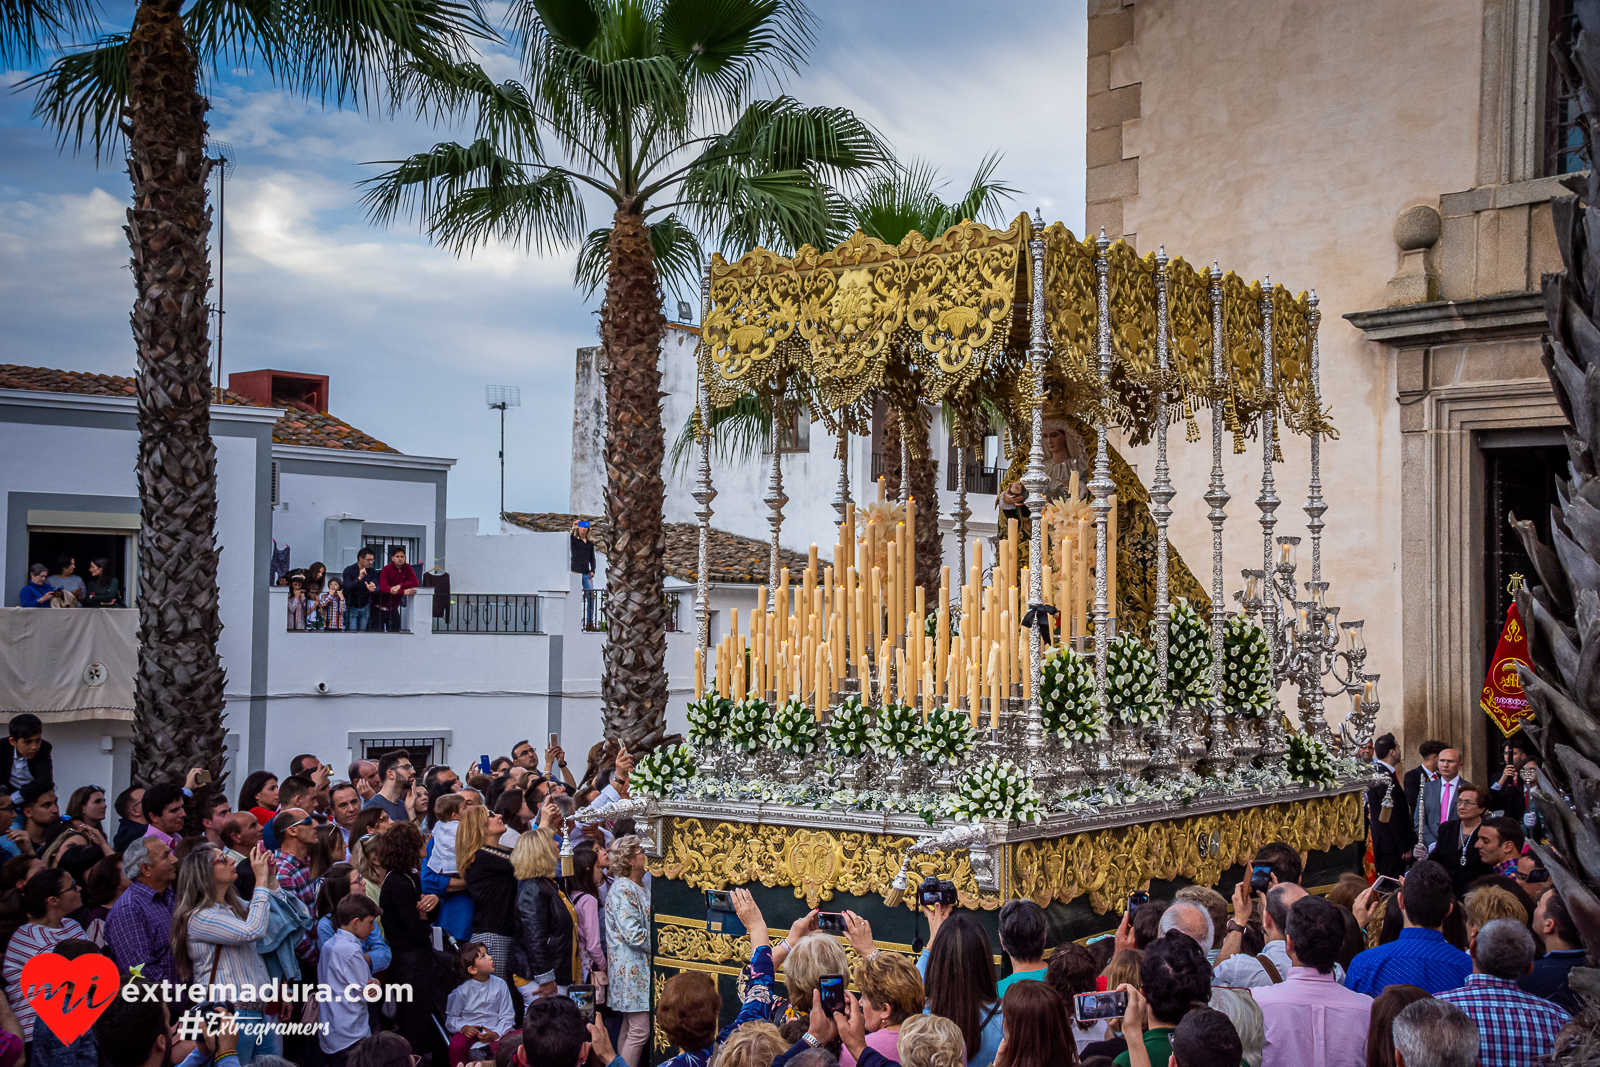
(1068, 715)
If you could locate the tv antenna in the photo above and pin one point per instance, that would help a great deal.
(223, 160)
(500, 397)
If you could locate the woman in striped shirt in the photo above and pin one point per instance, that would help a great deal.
(48, 898)
(214, 934)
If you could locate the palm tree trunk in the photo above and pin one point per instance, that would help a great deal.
(178, 693)
(634, 689)
(923, 481)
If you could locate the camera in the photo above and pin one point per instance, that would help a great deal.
(1091, 1006)
(935, 891)
(1260, 877)
(830, 922)
(720, 916)
(583, 997)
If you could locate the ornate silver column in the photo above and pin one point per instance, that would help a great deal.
(1037, 483)
(1221, 750)
(1315, 508)
(775, 500)
(842, 499)
(1161, 494)
(905, 465)
(1101, 486)
(1268, 500)
(961, 513)
(704, 494)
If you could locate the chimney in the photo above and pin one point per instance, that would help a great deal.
(282, 389)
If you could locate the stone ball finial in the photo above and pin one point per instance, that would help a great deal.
(1417, 227)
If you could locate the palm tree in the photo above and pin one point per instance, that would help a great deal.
(649, 105)
(144, 86)
(1563, 611)
(29, 27)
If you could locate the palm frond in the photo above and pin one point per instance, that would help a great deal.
(502, 112)
(29, 27)
(984, 196)
(81, 95)
(467, 195)
(907, 198)
(676, 249)
(739, 431)
(725, 45)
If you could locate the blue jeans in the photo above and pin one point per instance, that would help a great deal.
(253, 1045)
(355, 619)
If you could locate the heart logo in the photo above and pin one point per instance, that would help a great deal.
(69, 995)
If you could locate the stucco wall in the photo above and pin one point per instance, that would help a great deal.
(1283, 139)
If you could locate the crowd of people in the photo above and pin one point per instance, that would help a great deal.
(468, 891)
(363, 597)
(64, 587)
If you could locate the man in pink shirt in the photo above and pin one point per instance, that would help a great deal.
(1311, 1019)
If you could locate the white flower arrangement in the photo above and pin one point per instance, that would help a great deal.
(996, 791)
(1067, 698)
(708, 717)
(1309, 762)
(747, 723)
(658, 773)
(1246, 666)
(947, 735)
(795, 731)
(1133, 690)
(1188, 657)
(850, 727)
(897, 731)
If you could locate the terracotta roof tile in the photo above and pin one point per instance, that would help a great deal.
(314, 430)
(732, 558)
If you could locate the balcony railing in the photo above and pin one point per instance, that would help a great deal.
(491, 613)
(594, 611)
(979, 479)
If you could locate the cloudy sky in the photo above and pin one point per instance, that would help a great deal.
(410, 334)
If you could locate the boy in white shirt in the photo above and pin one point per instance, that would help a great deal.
(344, 964)
(478, 1012)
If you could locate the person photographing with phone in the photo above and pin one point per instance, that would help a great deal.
(582, 553)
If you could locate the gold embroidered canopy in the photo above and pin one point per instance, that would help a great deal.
(946, 321)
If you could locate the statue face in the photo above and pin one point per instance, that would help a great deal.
(1055, 446)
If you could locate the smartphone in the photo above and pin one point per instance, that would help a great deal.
(830, 922)
(583, 997)
(719, 899)
(327, 769)
(1538, 874)
(1384, 884)
(832, 986)
(1135, 899)
(203, 777)
(483, 763)
(1260, 877)
(583, 524)
(554, 740)
(1091, 1006)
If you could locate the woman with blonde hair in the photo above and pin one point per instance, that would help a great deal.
(492, 883)
(544, 957)
(628, 952)
(752, 1045)
(930, 1041)
(811, 957)
(891, 993)
(1487, 903)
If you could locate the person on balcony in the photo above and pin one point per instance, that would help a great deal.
(331, 605)
(103, 590)
(583, 564)
(37, 593)
(66, 578)
(360, 585)
(297, 604)
(396, 582)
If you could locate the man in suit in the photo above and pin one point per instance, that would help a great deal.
(1457, 848)
(1419, 776)
(1439, 798)
(1394, 831)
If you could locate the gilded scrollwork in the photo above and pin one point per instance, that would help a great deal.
(1104, 865)
(1107, 865)
(948, 313)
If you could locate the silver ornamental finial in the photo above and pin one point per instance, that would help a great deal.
(1038, 219)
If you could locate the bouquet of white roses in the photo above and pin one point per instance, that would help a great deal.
(897, 731)
(794, 731)
(1246, 666)
(747, 723)
(947, 735)
(1188, 657)
(850, 727)
(1066, 696)
(997, 791)
(1133, 690)
(1309, 761)
(658, 772)
(708, 717)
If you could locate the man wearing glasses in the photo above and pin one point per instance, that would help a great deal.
(15, 841)
(396, 773)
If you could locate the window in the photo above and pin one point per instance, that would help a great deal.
(425, 751)
(1564, 150)
(50, 545)
(794, 435)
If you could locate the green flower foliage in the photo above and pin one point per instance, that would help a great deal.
(1246, 666)
(1188, 657)
(1133, 690)
(657, 773)
(1066, 696)
(898, 731)
(708, 717)
(850, 727)
(1309, 761)
(947, 735)
(747, 723)
(795, 730)
(997, 791)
